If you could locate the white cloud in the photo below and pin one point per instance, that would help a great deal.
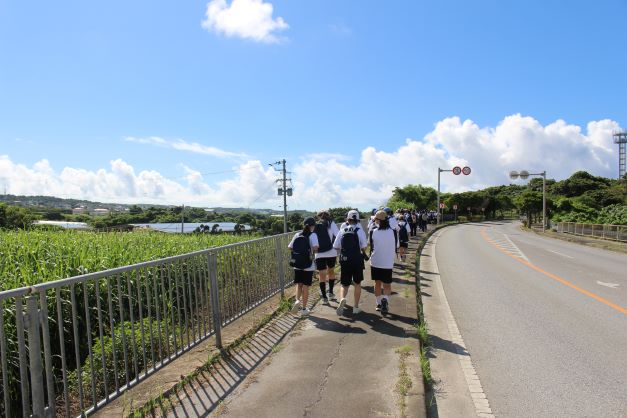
(248, 19)
(182, 145)
(331, 180)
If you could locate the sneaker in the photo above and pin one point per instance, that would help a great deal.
(305, 312)
(378, 308)
(296, 306)
(356, 310)
(340, 308)
(325, 301)
(384, 306)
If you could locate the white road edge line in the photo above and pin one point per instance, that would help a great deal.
(479, 398)
(555, 252)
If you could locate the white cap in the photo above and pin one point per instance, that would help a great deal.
(352, 215)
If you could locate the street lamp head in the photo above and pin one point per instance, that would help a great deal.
(513, 175)
(524, 174)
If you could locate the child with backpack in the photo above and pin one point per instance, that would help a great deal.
(383, 243)
(351, 243)
(403, 236)
(303, 247)
(326, 230)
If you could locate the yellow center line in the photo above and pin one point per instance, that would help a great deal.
(553, 276)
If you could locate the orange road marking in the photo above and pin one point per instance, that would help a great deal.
(554, 276)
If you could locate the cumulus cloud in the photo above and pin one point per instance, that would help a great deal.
(248, 19)
(182, 145)
(330, 180)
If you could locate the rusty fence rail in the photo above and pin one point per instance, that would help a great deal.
(603, 231)
(70, 346)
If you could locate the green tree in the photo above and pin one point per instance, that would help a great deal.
(529, 203)
(15, 217)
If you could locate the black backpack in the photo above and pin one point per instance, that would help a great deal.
(324, 241)
(350, 253)
(402, 233)
(301, 252)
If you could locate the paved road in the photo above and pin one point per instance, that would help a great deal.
(544, 321)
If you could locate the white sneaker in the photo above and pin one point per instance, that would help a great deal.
(296, 306)
(356, 310)
(340, 308)
(304, 312)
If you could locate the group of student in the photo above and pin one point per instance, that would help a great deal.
(320, 243)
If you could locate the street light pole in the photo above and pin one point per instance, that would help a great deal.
(437, 218)
(524, 174)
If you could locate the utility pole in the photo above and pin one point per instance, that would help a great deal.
(182, 220)
(285, 191)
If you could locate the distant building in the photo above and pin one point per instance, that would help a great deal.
(100, 212)
(80, 210)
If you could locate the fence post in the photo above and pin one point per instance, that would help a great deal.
(212, 261)
(280, 269)
(34, 348)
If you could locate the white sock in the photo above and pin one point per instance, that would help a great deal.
(378, 300)
(386, 297)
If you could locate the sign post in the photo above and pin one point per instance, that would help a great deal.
(457, 171)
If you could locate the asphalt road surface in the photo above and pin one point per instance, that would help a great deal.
(544, 321)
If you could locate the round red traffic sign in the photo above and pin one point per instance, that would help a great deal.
(454, 207)
(457, 171)
(466, 170)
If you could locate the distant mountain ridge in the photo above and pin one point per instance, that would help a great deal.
(68, 204)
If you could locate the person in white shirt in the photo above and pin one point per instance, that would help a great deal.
(403, 236)
(326, 257)
(303, 274)
(391, 218)
(383, 244)
(351, 243)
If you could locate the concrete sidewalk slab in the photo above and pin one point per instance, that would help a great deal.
(326, 366)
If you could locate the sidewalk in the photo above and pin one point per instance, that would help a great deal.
(323, 365)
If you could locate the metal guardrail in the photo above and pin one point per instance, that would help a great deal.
(70, 346)
(603, 231)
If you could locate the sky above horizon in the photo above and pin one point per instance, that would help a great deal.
(190, 102)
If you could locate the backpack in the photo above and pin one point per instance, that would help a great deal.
(350, 253)
(324, 241)
(301, 252)
(402, 233)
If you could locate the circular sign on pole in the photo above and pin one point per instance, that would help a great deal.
(466, 170)
(457, 171)
(524, 174)
(454, 207)
(468, 208)
(442, 205)
(513, 174)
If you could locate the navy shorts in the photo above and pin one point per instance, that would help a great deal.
(303, 276)
(325, 263)
(383, 275)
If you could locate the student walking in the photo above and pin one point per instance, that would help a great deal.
(303, 246)
(403, 236)
(351, 242)
(326, 257)
(383, 244)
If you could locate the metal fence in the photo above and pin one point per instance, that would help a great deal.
(69, 347)
(610, 232)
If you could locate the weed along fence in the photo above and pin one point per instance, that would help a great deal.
(70, 346)
(610, 232)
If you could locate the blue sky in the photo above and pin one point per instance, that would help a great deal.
(188, 102)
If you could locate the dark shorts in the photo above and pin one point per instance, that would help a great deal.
(403, 244)
(303, 276)
(351, 274)
(383, 275)
(325, 263)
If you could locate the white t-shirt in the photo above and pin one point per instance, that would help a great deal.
(332, 230)
(371, 224)
(361, 235)
(393, 222)
(313, 243)
(384, 245)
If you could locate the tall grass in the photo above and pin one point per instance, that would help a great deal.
(31, 257)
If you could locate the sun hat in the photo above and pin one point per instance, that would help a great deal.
(352, 215)
(381, 215)
(309, 221)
